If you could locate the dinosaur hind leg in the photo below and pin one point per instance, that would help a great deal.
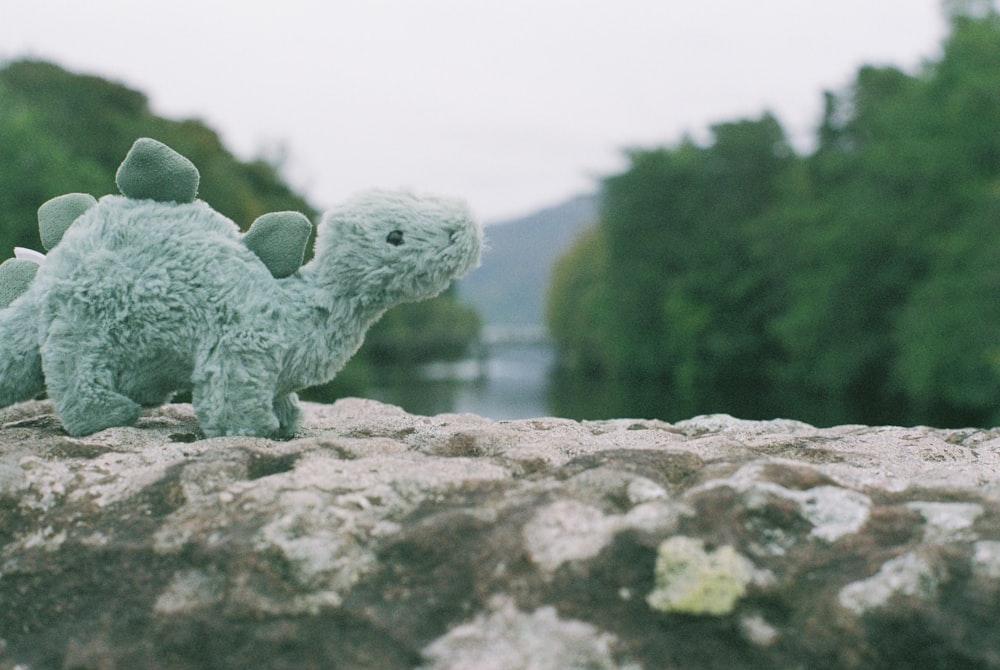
(80, 382)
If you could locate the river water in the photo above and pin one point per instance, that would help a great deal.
(518, 381)
(508, 382)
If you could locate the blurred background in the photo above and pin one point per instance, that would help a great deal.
(771, 209)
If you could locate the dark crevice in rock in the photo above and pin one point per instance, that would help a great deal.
(264, 465)
(672, 470)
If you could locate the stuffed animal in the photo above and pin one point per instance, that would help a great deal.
(150, 292)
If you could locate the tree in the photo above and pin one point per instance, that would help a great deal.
(668, 287)
(905, 175)
(680, 226)
(64, 132)
(579, 300)
(855, 284)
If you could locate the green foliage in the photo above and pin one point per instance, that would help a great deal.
(855, 284)
(580, 334)
(64, 132)
(667, 286)
(437, 330)
(441, 329)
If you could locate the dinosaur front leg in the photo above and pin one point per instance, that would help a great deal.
(80, 380)
(234, 392)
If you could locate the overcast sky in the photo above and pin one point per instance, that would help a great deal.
(512, 104)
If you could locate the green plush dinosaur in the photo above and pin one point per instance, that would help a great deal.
(153, 291)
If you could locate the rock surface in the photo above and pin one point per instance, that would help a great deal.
(379, 539)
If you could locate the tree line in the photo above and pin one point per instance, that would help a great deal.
(64, 132)
(857, 283)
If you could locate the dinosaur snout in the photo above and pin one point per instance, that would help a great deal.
(467, 241)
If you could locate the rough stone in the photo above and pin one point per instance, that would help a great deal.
(505, 638)
(380, 539)
(907, 575)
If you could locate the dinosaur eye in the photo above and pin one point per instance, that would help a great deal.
(395, 238)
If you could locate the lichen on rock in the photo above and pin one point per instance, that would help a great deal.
(691, 580)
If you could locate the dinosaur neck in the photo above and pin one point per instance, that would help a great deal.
(332, 312)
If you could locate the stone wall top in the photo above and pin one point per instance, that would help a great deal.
(377, 538)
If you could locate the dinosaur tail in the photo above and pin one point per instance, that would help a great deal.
(21, 376)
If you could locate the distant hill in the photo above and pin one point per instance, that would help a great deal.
(509, 288)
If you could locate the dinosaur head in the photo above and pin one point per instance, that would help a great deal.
(394, 246)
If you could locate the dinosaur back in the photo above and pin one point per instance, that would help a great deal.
(126, 252)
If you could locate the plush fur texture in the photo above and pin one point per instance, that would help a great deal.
(142, 298)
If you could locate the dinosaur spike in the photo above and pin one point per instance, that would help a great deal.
(154, 171)
(15, 276)
(56, 215)
(29, 255)
(279, 240)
